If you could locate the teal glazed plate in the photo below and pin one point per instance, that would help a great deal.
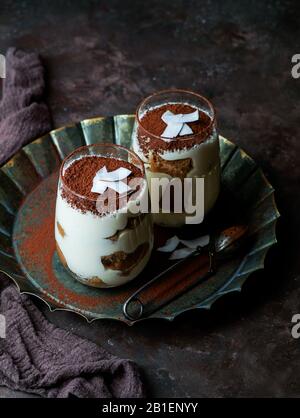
(27, 203)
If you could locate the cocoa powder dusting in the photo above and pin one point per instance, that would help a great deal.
(152, 123)
(37, 246)
(79, 177)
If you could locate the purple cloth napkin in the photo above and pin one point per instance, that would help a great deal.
(36, 356)
(23, 114)
(40, 358)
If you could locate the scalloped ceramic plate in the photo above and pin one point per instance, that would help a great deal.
(27, 201)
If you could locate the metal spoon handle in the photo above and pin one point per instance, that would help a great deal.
(165, 286)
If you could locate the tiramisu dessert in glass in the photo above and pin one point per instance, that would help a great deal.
(102, 237)
(176, 137)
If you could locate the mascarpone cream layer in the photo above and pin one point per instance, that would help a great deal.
(86, 239)
(206, 164)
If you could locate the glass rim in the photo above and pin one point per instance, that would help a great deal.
(199, 96)
(101, 144)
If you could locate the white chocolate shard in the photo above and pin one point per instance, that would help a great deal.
(170, 117)
(111, 179)
(170, 245)
(177, 124)
(186, 130)
(167, 116)
(172, 130)
(190, 246)
(181, 253)
(99, 187)
(116, 175)
(190, 117)
(119, 186)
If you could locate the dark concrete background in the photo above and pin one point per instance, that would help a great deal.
(102, 58)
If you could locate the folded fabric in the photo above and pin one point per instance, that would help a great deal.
(23, 113)
(36, 356)
(40, 358)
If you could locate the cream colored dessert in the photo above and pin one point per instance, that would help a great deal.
(181, 157)
(101, 249)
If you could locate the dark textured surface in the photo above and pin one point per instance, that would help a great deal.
(102, 58)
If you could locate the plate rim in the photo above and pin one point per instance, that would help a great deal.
(206, 303)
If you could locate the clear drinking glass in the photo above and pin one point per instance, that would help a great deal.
(103, 249)
(191, 156)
